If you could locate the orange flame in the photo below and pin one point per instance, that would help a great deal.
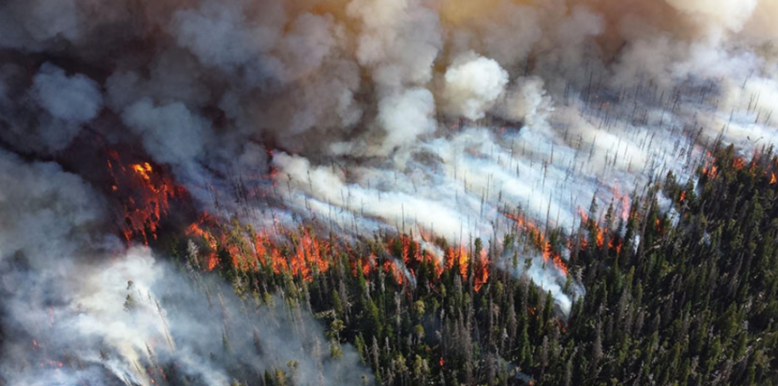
(541, 243)
(710, 170)
(615, 246)
(145, 194)
(211, 242)
(600, 238)
(481, 271)
(143, 170)
(405, 248)
(391, 267)
(738, 163)
(304, 255)
(250, 250)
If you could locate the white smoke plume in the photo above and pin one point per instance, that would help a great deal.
(446, 116)
(473, 85)
(527, 102)
(405, 117)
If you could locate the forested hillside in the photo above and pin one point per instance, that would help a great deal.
(682, 292)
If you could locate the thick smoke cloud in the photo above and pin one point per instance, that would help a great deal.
(473, 85)
(47, 116)
(27, 25)
(171, 133)
(91, 311)
(445, 116)
(527, 102)
(399, 40)
(46, 211)
(220, 36)
(74, 99)
(405, 117)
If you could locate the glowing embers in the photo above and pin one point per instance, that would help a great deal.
(144, 193)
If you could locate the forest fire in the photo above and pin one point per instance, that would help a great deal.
(308, 256)
(277, 193)
(144, 193)
(547, 250)
(303, 254)
(391, 268)
(481, 270)
(249, 250)
(457, 258)
(709, 168)
(615, 245)
(738, 163)
(600, 237)
(212, 259)
(143, 170)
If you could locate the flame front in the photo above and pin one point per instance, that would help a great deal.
(301, 253)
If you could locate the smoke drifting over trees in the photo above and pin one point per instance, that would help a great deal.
(455, 120)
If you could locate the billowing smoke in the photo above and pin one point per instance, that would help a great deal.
(405, 117)
(473, 85)
(527, 102)
(459, 118)
(170, 134)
